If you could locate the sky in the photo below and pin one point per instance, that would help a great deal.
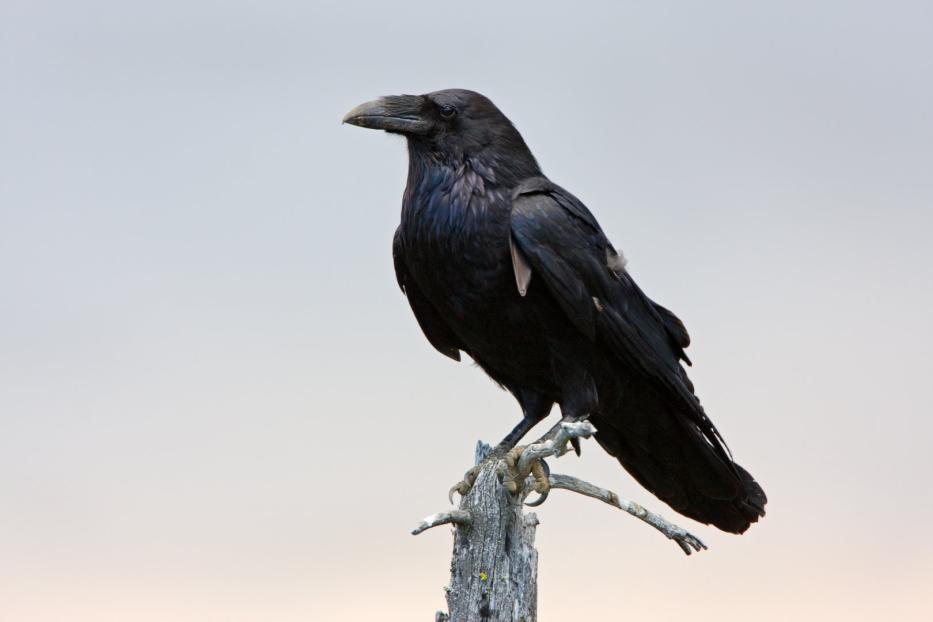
(215, 404)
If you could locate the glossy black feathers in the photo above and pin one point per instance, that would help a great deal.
(583, 335)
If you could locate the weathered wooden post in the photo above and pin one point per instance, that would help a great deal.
(494, 567)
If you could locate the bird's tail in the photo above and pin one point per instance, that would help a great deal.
(675, 461)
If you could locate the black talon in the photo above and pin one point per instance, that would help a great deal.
(543, 497)
(576, 445)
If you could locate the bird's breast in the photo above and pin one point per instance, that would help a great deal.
(457, 248)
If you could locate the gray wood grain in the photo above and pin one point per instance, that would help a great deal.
(494, 568)
(494, 565)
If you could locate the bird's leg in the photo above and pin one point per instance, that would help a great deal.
(498, 453)
(580, 399)
(538, 469)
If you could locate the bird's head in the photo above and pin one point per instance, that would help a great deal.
(451, 126)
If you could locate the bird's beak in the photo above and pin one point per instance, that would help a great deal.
(404, 114)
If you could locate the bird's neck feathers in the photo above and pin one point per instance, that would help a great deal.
(448, 190)
(500, 160)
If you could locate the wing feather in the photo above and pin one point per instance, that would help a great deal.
(566, 246)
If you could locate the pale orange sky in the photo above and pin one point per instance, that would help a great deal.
(216, 405)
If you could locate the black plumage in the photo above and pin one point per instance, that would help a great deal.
(499, 262)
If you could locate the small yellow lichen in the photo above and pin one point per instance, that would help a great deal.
(482, 576)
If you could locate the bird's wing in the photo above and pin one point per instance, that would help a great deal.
(432, 324)
(568, 251)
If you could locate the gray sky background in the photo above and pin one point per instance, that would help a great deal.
(214, 401)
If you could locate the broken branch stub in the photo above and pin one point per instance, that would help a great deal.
(494, 567)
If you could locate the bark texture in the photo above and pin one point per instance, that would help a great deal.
(494, 570)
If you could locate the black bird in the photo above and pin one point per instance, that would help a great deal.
(501, 263)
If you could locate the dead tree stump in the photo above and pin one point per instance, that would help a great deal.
(494, 566)
(494, 569)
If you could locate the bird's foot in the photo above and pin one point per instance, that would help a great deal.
(512, 475)
(515, 476)
(464, 486)
(514, 467)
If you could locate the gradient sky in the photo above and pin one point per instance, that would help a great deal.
(215, 404)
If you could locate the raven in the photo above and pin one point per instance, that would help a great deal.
(499, 262)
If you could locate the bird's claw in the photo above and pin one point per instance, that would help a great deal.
(464, 486)
(511, 476)
(576, 445)
(542, 473)
(514, 477)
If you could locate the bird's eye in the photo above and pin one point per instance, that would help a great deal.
(448, 112)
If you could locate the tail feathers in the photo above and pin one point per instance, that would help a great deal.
(682, 469)
(755, 496)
